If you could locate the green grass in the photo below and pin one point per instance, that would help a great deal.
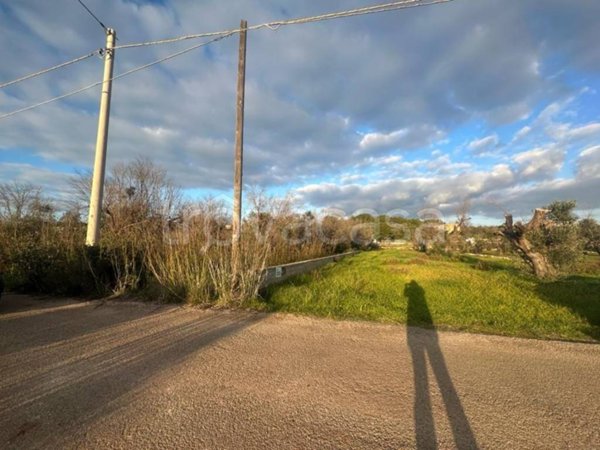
(475, 294)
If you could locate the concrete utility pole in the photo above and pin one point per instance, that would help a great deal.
(239, 152)
(93, 227)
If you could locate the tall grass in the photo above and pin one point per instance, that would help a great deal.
(196, 266)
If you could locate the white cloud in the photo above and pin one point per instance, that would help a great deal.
(491, 193)
(409, 193)
(588, 131)
(405, 138)
(484, 144)
(588, 164)
(519, 135)
(159, 132)
(540, 162)
(554, 124)
(443, 164)
(55, 184)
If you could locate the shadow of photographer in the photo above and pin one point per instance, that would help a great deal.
(424, 346)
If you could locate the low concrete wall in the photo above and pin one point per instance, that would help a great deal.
(276, 274)
(394, 244)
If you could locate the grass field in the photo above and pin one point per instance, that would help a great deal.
(473, 293)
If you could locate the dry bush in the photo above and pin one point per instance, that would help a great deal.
(138, 199)
(152, 242)
(289, 236)
(429, 236)
(194, 260)
(180, 262)
(38, 251)
(181, 268)
(234, 288)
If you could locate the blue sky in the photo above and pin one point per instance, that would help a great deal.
(487, 101)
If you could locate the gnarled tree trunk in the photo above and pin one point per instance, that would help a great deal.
(516, 234)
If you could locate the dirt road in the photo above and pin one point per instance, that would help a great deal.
(93, 375)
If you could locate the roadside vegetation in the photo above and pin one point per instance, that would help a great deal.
(468, 293)
(153, 244)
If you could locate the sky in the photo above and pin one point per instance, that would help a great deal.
(494, 102)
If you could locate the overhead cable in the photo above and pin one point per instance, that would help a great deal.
(98, 83)
(276, 24)
(271, 25)
(50, 69)
(93, 15)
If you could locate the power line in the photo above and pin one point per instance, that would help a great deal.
(50, 69)
(352, 12)
(129, 72)
(219, 35)
(271, 25)
(276, 24)
(92, 14)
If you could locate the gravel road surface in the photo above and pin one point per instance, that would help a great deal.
(128, 375)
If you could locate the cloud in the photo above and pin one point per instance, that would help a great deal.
(444, 165)
(55, 184)
(405, 138)
(521, 133)
(588, 131)
(159, 132)
(490, 193)
(522, 199)
(309, 88)
(568, 29)
(484, 144)
(554, 123)
(540, 163)
(588, 163)
(411, 194)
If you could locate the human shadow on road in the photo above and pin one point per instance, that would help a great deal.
(424, 346)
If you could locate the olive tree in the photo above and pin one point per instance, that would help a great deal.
(550, 242)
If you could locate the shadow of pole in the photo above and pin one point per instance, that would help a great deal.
(424, 345)
(56, 320)
(88, 387)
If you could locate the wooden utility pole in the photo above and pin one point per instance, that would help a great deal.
(93, 226)
(239, 154)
